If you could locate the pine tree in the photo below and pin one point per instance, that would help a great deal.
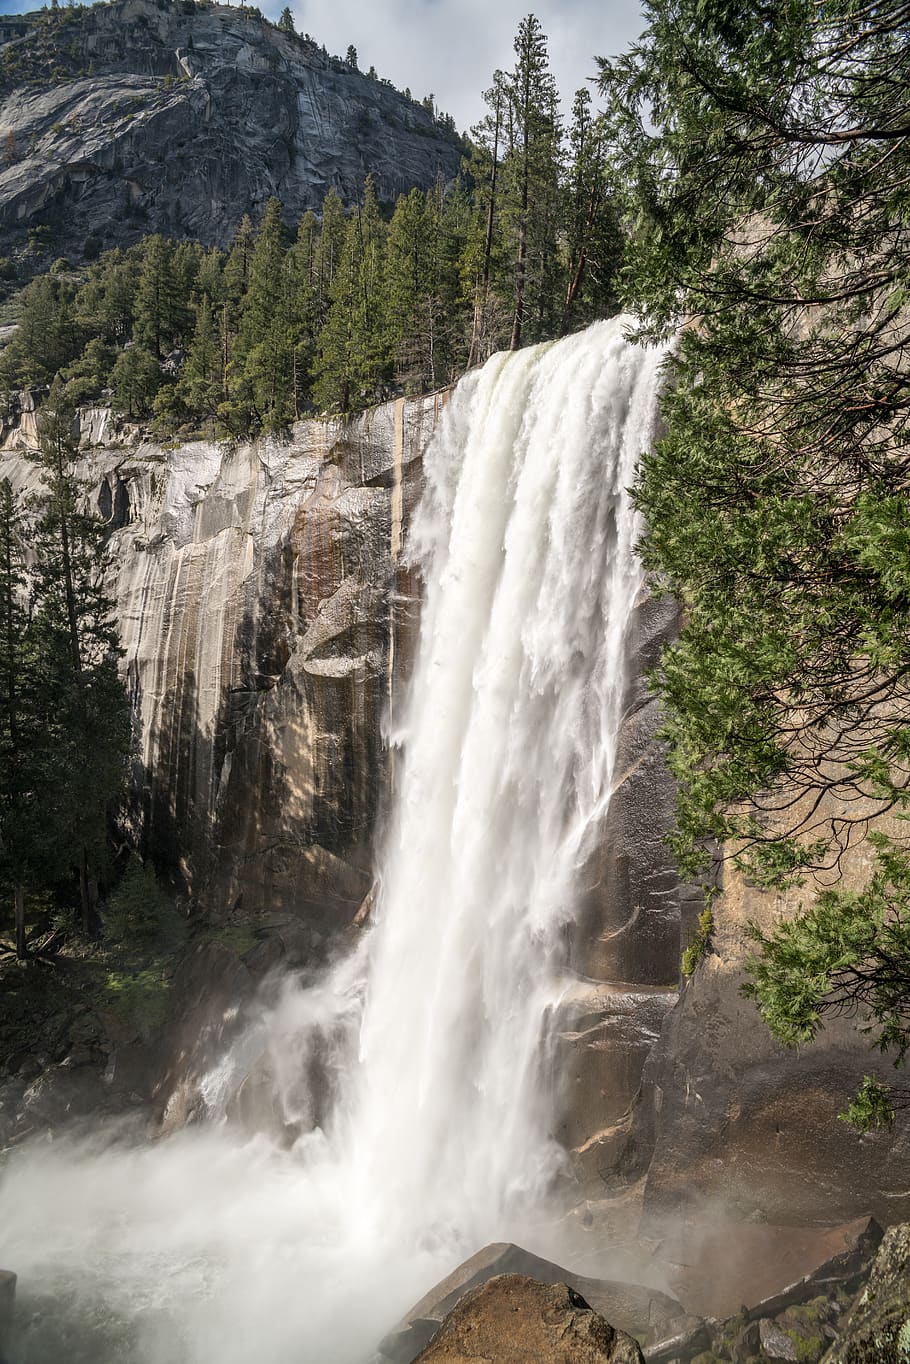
(352, 364)
(78, 647)
(409, 286)
(201, 380)
(264, 359)
(286, 22)
(159, 310)
(478, 259)
(105, 302)
(422, 290)
(210, 278)
(236, 270)
(265, 296)
(329, 252)
(593, 239)
(87, 376)
(235, 279)
(135, 379)
(185, 265)
(47, 336)
(27, 827)
(304, 309)
(533, 178)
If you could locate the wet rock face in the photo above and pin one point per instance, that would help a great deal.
(7, 1301)
(259, 620)
(145, 116)
(731, 1122)
(263, 615)
(626, 945)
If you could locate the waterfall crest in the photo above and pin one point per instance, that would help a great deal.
(436, 1029)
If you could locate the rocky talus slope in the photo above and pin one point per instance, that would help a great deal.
(151, 116)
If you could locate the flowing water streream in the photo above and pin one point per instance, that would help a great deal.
(436, 1030)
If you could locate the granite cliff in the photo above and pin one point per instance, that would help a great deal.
(142, 116)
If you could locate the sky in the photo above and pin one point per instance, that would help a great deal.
(450, 48)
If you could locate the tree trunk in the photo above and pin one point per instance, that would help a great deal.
(481, 299)
(577, 275)
(521, 263)
(85, 897)
(21, 949)
(69, 587)
(520, 268)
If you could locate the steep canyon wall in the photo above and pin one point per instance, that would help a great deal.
(144, 116)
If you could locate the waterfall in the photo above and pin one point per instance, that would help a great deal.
(435, 1031)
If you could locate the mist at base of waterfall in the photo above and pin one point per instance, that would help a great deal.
(435, 1036)
(205, 1249)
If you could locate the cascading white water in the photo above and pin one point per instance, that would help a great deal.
(439, 1138)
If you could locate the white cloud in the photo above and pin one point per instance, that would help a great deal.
(451, 48)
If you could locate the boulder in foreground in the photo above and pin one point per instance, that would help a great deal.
(878, 1327)
(643, 1312)
(515, 1320)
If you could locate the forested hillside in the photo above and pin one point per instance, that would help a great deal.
(356, 304)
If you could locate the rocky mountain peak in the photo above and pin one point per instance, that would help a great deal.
(175, 116)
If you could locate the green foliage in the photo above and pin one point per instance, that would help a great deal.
(761, 161)
(367, 301)
(138, 1000)
(140, 915)
(872, 1108)
(352, 361)
(201, 379)
(159, 312)
(848, 952)
(135, 379)
(699, 942)
(237, 938)
(48, 336)
(87, 376)
(64, 714)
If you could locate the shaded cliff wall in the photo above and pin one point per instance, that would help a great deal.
(730, 1122)
(626, 946)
